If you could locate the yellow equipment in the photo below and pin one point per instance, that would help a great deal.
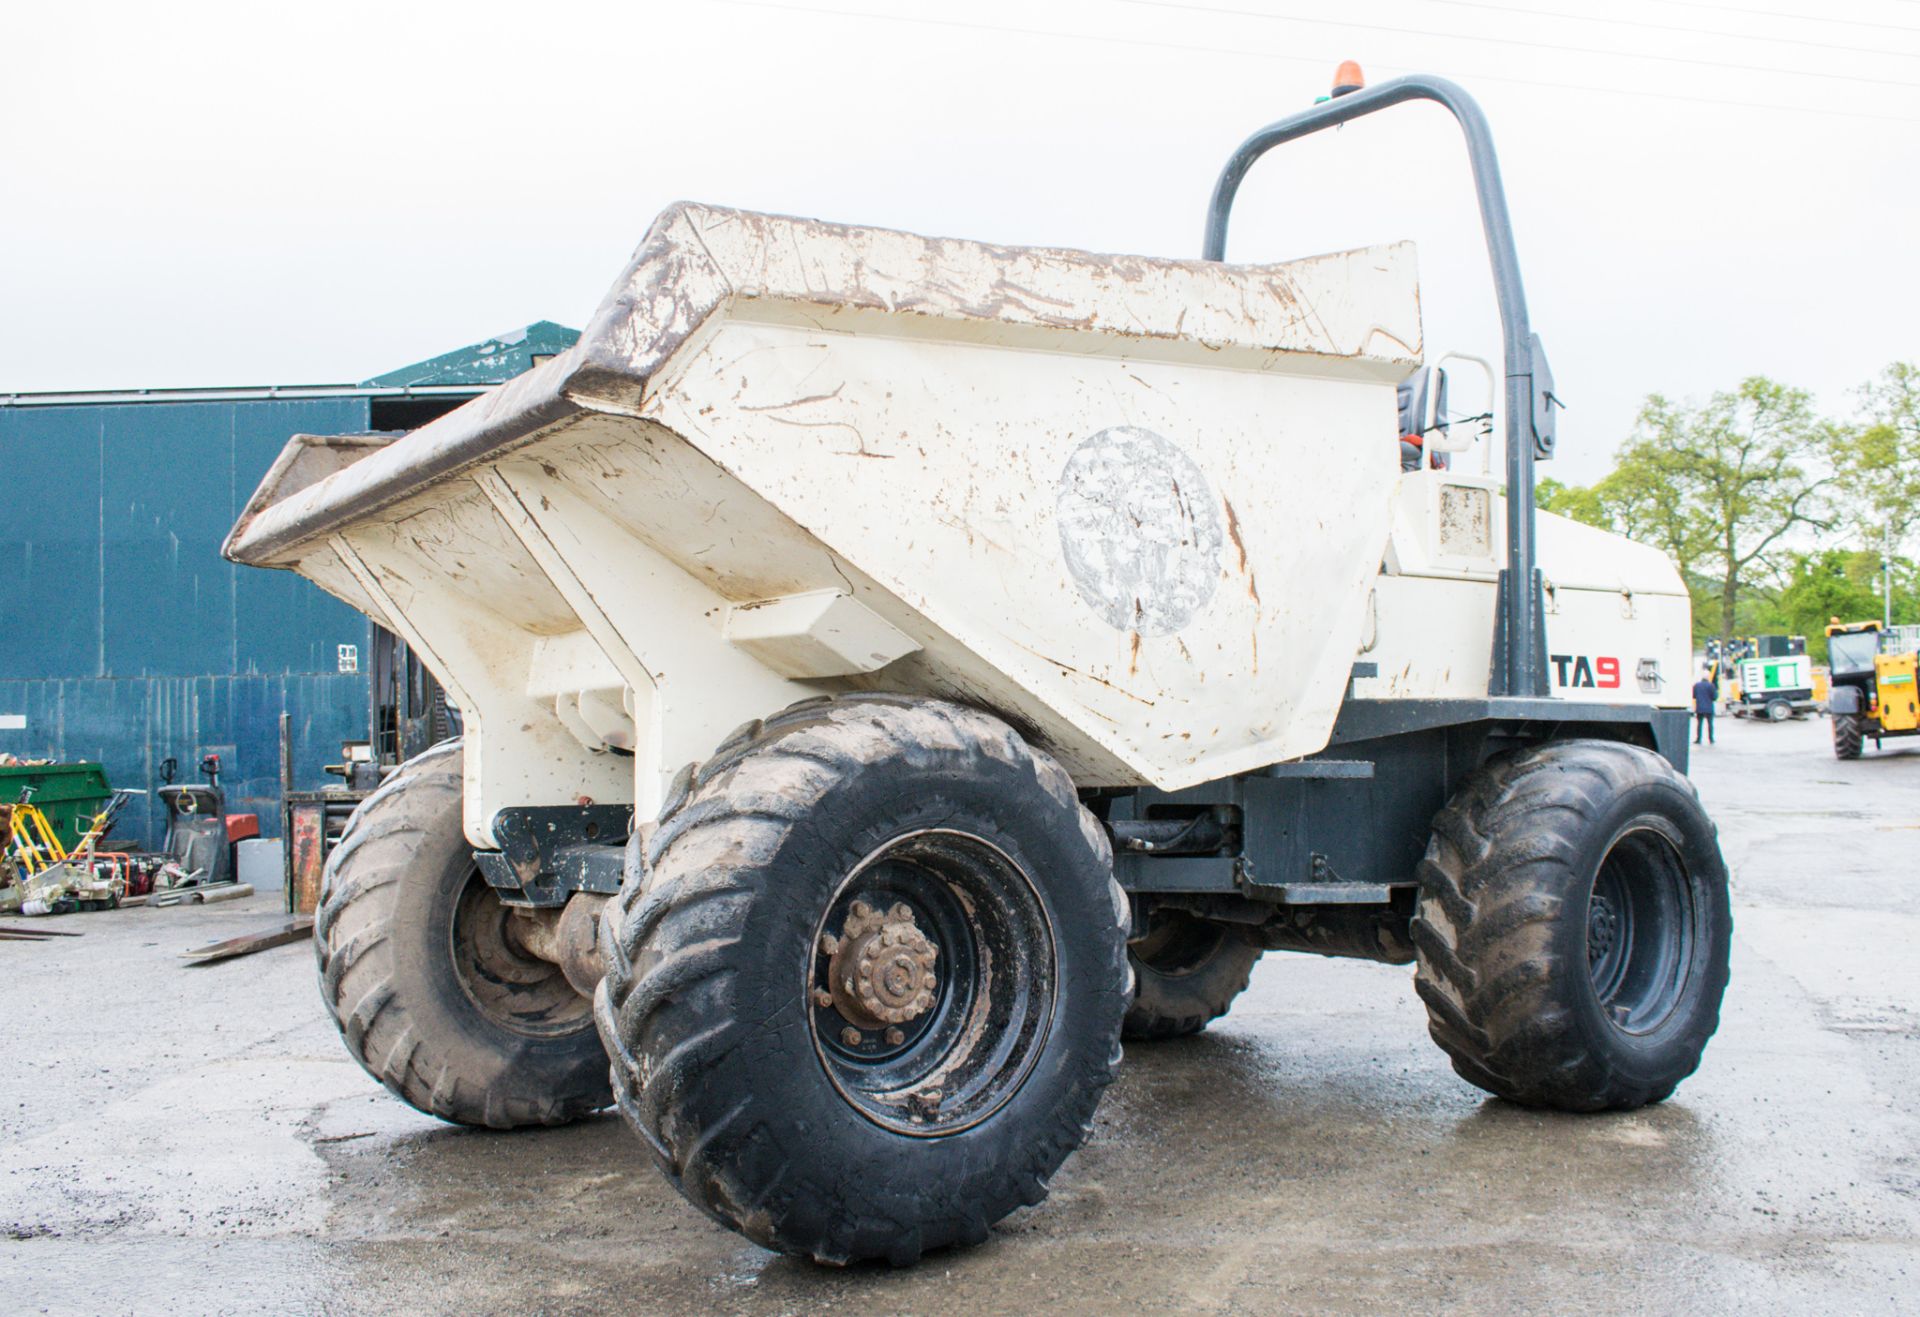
(36, 843)
(1894, 678)
(78, 879)
(1873, 693)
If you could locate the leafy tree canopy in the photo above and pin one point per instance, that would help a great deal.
(1877, 464)
(1718, 486)
(1823, 585)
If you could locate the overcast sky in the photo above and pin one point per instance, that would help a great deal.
(203, 194)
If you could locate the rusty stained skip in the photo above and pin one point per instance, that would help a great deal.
(928, 288)
(305, 461)
(1074, 422)
(697, 260)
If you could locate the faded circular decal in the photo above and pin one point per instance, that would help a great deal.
(1139, 530)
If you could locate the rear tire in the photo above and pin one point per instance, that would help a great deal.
(420, 970)
(1186, 973)
(1847, 736)
(1573, 927)
(764, 1093)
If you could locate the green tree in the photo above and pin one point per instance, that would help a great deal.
(1877, 464)
(1637, 500)
(1719, 485)
(1820, 586)
(1647, 501)
(1577, 502)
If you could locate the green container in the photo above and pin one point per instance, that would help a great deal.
(68, 794)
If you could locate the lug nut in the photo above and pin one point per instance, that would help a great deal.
(821, 997)
(861, 909)
(895, 1038)
(828, 944)
(852, 1037)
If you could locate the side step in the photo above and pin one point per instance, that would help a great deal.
(1325, 893)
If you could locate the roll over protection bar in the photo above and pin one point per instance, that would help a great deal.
(1519, 646)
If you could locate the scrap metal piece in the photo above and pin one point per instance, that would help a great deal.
(297, 929)
(202, 895)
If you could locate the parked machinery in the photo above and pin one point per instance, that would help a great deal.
(57, 881)
(32, 841)
(95, 873)
(1873, 691)
(1083, 634)
(200, 833)
(1775, 680)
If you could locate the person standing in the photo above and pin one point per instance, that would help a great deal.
(1705, 695)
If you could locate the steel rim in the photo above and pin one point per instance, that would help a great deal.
(510, 987)
(931, 1058)
(1641, 931)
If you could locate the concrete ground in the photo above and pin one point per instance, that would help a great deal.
(195, 1140)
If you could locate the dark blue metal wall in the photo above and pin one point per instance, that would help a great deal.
(126, 638)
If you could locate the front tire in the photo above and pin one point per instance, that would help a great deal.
(1573, 927)
(1848, 735)
(866, 1000)
(421, 971)
(1187, 971)
(1779, 711)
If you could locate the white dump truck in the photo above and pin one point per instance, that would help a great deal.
(895, 669)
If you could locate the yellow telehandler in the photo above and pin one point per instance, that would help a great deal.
(1874, 692)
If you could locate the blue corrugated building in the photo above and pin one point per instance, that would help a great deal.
(126, 639)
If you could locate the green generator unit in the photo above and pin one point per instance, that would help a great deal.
(1777, 682)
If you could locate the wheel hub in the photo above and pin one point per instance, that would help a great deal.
(881, 972)
(1603, 928)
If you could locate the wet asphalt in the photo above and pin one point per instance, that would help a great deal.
(195, 1140)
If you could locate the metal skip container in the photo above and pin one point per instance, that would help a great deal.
(1136, 505)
